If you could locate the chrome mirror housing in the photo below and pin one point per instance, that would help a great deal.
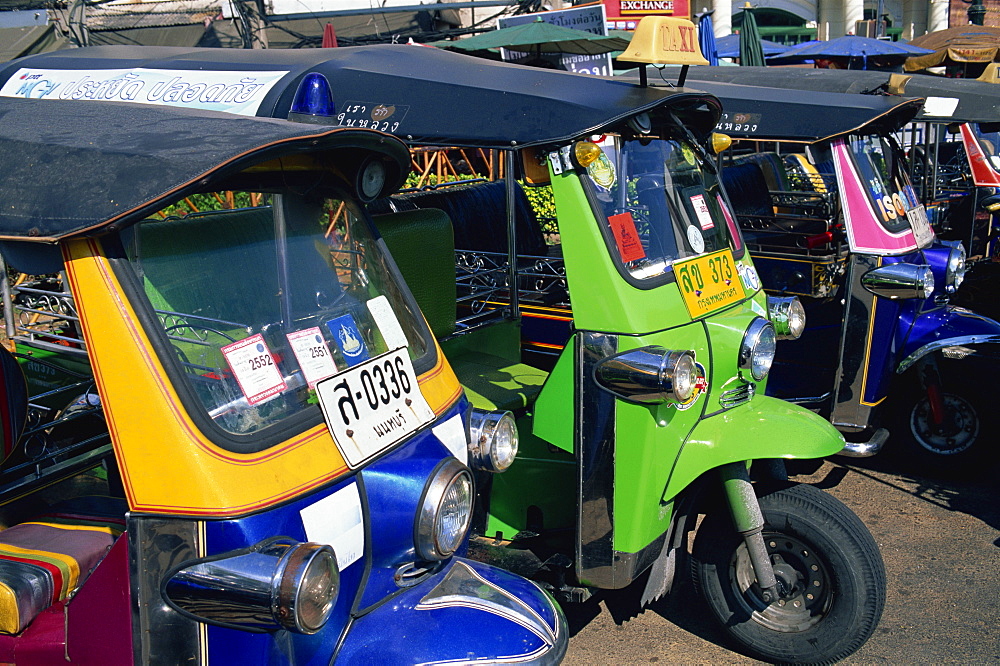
(900, 281)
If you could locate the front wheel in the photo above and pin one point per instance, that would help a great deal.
(830, 573)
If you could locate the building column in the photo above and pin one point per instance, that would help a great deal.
(914, 19)
(829, 20)
(722, 19)
(937, 15)
(854, 10)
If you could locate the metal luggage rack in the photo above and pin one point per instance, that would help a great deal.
(484, 287)
(41, 313)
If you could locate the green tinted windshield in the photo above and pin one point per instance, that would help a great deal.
(658, 204)
(259, 303)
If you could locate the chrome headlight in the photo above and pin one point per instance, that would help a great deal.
(955, 271)
(445, 511)
(787, 315)
(277, 584)
(757, 348)
(493, 440)
(649, 375)
(898, 281)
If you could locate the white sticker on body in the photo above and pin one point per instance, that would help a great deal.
(337, 521)
(451, 433)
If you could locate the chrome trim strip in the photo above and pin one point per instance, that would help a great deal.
(848, 410)
(161, 635)
(931, 347)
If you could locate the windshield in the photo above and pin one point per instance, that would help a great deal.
(260, 302)
(882, 169)
(657, 204)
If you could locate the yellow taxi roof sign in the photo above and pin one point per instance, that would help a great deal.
(664, 40)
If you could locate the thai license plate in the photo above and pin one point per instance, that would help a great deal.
(373, 405)
(922, 232)
(709, 282)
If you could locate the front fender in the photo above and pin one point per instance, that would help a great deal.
(765, 427)
(948, 327)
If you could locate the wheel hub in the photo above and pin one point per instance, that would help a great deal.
(957, 431)
(804, 588)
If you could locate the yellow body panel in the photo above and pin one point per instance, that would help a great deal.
(167, 465)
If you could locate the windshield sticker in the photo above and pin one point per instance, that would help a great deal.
(255, 369)
(701, 211)
(337, 522)
(602, 172)
(313, 354)
(748, 274)
(388, 325)
(695, 238)
(232, 92)
(348, 336)
(382, 117)
(626, 237)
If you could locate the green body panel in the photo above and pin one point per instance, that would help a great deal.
(542, 477)
(555, 407)
(648, 440)
(765, 427)
(602, 300)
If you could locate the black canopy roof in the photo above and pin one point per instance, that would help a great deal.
(806, 117)
(74, 167)
(978, 101)
(440, 97)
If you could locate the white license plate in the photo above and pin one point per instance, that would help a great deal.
(371, 406)
(922, 232)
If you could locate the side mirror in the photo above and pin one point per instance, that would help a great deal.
(899, 281)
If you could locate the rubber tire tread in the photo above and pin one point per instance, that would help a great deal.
(835, 532)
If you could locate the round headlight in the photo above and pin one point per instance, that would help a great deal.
(757, 348)
(371, 180)
(927, 281)
(955, 273)
(788, 316)
(306, 587)
(493, 440)
(684, 376)
(445, 511)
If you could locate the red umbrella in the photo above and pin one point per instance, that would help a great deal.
(329, 37)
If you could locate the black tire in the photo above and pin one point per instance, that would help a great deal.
(813, 538)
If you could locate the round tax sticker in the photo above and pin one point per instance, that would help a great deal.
(750, 278)
(695, 238)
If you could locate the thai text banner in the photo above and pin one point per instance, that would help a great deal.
(233, 92)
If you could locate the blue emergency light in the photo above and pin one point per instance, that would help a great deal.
(313, 101)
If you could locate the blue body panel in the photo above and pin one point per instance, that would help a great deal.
(390, 490)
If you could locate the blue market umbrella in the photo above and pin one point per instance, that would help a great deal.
(751, 51)
(706, 37)
(729, 47)
(852, 50)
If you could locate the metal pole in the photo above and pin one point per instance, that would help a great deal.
(511, 231)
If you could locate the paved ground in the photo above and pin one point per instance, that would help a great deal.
(941, 545)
